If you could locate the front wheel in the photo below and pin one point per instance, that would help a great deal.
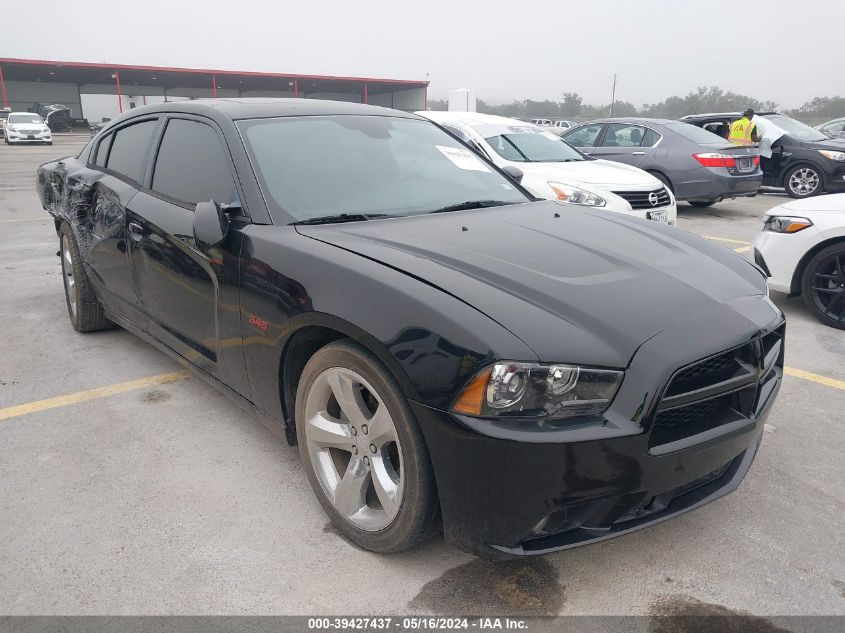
(823, 286)
(803, 181)
(84, 308)
(363, 451)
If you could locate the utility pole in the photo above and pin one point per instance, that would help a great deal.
(613, 95)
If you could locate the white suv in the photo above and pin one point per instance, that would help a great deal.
(26, 127)
(554, 170)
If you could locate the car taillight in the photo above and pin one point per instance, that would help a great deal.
(715, 159)
(755, 160)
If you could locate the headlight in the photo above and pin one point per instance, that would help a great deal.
(529, 390)
(786, 224)
(574, 195)
(832, 155)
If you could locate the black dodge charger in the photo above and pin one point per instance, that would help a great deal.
(441, 346)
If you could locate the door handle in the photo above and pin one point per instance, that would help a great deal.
(136, 232)
(637, 153)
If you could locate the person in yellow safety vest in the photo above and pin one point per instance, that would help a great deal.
(744, 131)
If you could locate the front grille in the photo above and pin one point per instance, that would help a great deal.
(640, 199)
(726, 388)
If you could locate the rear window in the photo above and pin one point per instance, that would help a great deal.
(130, 147)
(695, 134)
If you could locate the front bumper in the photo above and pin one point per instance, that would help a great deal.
(779, 254)
(23, 137)
(521, 491)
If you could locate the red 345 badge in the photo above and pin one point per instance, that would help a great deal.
(261, 324)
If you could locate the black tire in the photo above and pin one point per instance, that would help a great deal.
(702, 204)
(827, 306)
(84, 308)
(663, 179)
(797, 190)
(418, 516)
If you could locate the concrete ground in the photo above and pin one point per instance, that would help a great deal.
(165, 499)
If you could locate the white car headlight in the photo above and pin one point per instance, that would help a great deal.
(832, 155)
(786, 224)
(574, 195)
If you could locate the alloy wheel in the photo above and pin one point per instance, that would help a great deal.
(828, 286)
(804, 181)
(354, 448)
(67, 275)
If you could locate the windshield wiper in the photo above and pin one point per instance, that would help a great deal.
(341, 217)
(472, 204)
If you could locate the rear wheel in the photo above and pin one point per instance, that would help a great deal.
(364, 453)
(84, 308)
(803, 181)
(702, 204)
(823, 286)
(663, 179)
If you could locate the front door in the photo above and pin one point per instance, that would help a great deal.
(189, 295)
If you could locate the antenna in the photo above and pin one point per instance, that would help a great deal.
(613, 95)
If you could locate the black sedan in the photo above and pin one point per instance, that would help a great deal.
(441, 346)
(803, 160)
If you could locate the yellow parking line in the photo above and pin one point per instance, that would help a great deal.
(822, 380)
(91, 394)
(742, 249)
(726, 239)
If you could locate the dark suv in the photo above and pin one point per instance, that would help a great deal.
(803, 160)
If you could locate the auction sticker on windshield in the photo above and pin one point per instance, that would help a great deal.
(463, 158)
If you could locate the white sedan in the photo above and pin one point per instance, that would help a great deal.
(554, 170)
(26, 127)
(802, 250)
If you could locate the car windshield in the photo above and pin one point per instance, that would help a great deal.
(797, 130)
(696, 134)
(527, 144)
(317, 166)
(24, 118)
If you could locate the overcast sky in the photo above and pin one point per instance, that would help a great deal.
(785, 50)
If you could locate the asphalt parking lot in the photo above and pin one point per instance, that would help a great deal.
(127, 488)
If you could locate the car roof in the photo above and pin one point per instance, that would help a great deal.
(469, 118)
(718, 115)
(256, 108)
(630, 119)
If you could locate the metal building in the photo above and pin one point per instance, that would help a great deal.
(24, 82)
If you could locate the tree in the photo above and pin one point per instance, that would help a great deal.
(571, 104)
(438, 104)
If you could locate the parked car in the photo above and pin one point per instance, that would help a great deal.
(25, 127)
(559, 127)
(553, 170)
(4, 114)
(804, 161)
(834, 128)
(55, 115)
(695, 165)
(436, 342)
(802, 250)
(542, 122)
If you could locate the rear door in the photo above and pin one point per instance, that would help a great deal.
(189, 296)
(626, 143)
(122, 157)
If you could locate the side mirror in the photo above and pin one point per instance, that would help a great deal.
(210, 224)
(514, 172)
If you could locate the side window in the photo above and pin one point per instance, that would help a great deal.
(192, 166)
(650, 138)
(130, 148)
(583, 136)
(622, 135)
(103, 151)
(834, 129)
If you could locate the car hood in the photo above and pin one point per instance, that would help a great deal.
(832, 203)
(582, 286)
(836, 144)
(602, 173)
